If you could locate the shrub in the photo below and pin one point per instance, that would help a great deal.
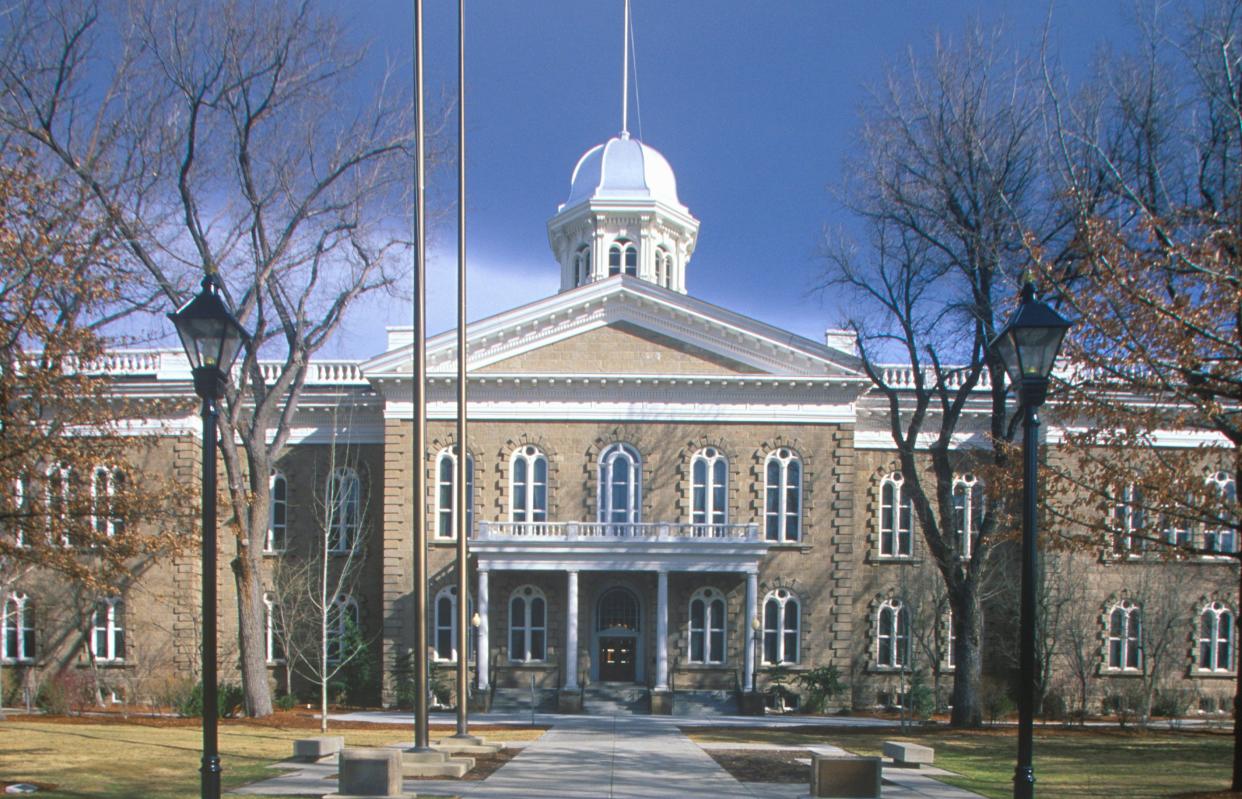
(354, 680)
(403, 681)
(229, 701)
(68, 691)
(1171, 702)
(286, 702)
(997, 703)
(821, 685)
(922, 699)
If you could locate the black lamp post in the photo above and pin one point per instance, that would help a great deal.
(1028, 345)
(212, 337)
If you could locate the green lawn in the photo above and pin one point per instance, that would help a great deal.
(1069, 763)
(117, 760)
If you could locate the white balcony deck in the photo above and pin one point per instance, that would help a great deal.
(606, 546)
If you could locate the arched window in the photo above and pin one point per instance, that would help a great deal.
(709, 471)
(108, 630)
(56, 502)
(620, 485)
(18, 637)
(528, 483)
(663, 266)
(342, 615)
(278, 513)
(445, 609)
(106, 483)
(1221, 537)
(896, 518)
(967, 511)
(783, 496)
(782, 624)
(1126, 518)
(707, 626)
(1125, 636)
(446, 496)
(622, 256)
(950, 659)
(582, 265)
(617, 610)
(345, 509)
(892, 634)
(272, 630)
(1216, 638)
(528, 626)
(19, 508)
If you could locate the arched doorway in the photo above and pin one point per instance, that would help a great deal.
(617, 623)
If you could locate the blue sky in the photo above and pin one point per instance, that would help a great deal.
(754, 103)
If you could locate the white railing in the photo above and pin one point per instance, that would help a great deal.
(903, 377)
(319, 372)
(614, 531)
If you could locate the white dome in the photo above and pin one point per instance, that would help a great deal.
(623, 169)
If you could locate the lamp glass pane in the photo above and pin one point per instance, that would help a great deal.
(1037, 348)
(1009, 354)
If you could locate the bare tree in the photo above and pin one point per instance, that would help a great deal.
(227, 138)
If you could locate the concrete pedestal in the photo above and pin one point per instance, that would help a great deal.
(750, 703)
(569, 701)
(845, 776)
(661, 703)
(433, 763)
(313, 749)
(369, 773)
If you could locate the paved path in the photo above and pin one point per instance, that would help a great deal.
(603, 757)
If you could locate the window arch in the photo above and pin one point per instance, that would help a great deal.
(896, 518)
(1216, 638)
(18, 639)
(623, 257)
(342, 614)
(272, 629)
(620, 485)
(892, 634)
(19, 507)
(278, 513)
(445, 610)
(663, 266)
(106, 483)
(446, 495)
(1127, 517)
(345, 509)
(528, 484)
(108, 630)
(782, 624)
(1125, 636)
(967, 511)
(709, 478)
(56, 502)
(1222, 538)
(528, 625)
(582, 265)
(707, 626)
(617, 609)
(783, 496)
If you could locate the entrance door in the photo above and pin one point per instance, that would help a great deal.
(616, 659)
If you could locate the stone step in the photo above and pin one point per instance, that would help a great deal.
(699, 704)
(434, 763)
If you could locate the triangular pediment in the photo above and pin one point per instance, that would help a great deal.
(623, 326)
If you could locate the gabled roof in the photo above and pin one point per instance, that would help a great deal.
(638, 306)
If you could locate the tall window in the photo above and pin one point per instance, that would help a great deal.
(528, 625)
(278, 513)
(892, 634)
(108, 630)
(1222, 537)
(18, 637)
(271, 628)
(56, 502)
(781, 626)
(663, 267)
(1216, 638)
(345, 504)
(783, 496)
(106, 483)
(342, 614)
(19, 509)
(896, 518)
(1126, 518)
(707, 626)
(623, 257)
(710, 484)
(528, 481)
(446, 495)
(1125, 636)
(446, 625)
(950, 659)
(967, 511)
(620, 485)
(582, 265)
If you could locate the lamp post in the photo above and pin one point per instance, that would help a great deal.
(1028, 345)
(212, 338)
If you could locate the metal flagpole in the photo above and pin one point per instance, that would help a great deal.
(461, 501)
(625, 74)
(419, 384)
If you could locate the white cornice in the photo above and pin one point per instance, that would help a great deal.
(1164, 439)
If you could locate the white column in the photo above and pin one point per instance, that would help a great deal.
(481, 657)
(571, 632)
(752, 590)
(661, 679)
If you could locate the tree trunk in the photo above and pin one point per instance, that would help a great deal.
(255, 688)
(967, 657)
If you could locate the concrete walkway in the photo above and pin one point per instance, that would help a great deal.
(621, 757)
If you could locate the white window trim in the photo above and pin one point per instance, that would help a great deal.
(708, 596)
(1218, 610)
(341, 605)
(442, 513)
(1127, 517)
(898, 483)
(451, 592)
(706, 516)
(102, 498)
(527, 626)
(1224, 484)
(1130, 613)
(58, 474)
(783, 597)
(345, 502)
(969, 485)
(897, 646)
(17, 616)
(783, 457)
(607, 462)
(269, 540)
(530, 456)
(112, 627)
(269, 629)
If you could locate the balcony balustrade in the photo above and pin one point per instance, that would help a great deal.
(615, 531)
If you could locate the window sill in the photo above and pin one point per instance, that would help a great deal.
(1204, 674)
(877, 559)
(276, 553)
(692, 666)
(1123, 673)
(875, 668)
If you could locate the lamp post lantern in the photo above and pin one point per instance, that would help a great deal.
(1028, 344)
(212, 338)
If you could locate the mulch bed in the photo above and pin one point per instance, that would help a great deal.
(297, 719)
(764, 765)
